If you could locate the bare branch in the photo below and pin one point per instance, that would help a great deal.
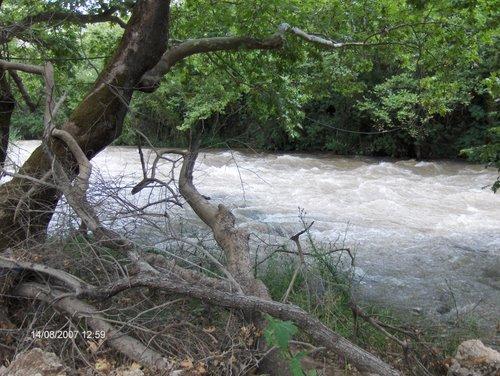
(121, 342)
(22, 89)
(9, 65)
(361, 359)
(69, 303)
(84, 165)
(69, 279)
(48, 115)
(301, 262)
(56, 18)
(319, 40)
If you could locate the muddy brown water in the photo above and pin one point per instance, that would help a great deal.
(426, 234)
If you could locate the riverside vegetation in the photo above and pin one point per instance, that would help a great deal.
(404, 79)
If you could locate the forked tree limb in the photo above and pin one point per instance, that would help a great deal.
(232, 240)
(296, 238)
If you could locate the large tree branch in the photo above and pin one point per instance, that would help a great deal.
(190, 47)
(361, 359)
(75, 308)
(10, 66)
(203, 45)
(55, 18)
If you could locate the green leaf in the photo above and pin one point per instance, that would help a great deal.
(279, 333)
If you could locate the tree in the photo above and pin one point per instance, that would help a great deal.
(140, 61)
(143, 56)
(95, 122)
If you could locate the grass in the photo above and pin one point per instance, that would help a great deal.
(323, 288)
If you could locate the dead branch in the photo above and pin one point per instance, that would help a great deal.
(84, 165)
(75, 308)
(324, 336)
(69, 279)
(296, 238)
(234, 242)
(55, 18)
(48, 115)
(376, 324)
(9, 65)
(76, 196)
(22, 89)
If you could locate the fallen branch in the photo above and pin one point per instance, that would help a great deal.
(361, 359)
(74, 308)
(296, 239)
(22, 89)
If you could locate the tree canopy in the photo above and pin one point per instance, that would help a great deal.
(409, 79)
(426, 73)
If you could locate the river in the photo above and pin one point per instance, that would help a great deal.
(426, 234)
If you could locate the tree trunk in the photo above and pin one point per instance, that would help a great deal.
(94, 124)
(234, 242)
(7, 105)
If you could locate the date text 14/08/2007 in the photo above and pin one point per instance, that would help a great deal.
(64, 334)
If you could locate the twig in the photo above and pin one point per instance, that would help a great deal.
(300, 263)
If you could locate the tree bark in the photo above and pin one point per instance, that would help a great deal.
(74, 308)
(94, 124)
(235, 244)
(7, 105)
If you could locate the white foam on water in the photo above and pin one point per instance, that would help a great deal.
(414, 225)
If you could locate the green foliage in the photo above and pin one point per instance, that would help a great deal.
(396, 103)
(429, 76)
(489, 154)
(279, 333)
